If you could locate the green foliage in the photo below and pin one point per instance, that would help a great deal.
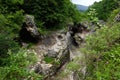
(49, 59)
(11, 23)
(103, 54)
(51, 13)
(9, 26)
(105, 7)
(112, 15)
(104, 38)
(14, 62)
(93, 15)
(15, 66)
(11, 16)
(108, 67)
(5, 44)
(3, 21)
(52, 61)
(8, 6)
(73, 66)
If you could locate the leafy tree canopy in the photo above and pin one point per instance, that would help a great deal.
(105, 7)
(51, 12)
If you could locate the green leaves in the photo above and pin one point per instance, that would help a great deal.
(108, 68)
(104, 8)
(104, 50)
(103, 38)
(52, 13)
(93, 15)
(17, 1)
(16, 65)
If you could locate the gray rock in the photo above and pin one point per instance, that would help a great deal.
(52, 53)
(62, 51)
(47, 69)
(29, 31)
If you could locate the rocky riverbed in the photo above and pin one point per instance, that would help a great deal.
(56, 50)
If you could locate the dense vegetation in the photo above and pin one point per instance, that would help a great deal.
(51, 13)
(102, 48)
(105, 7)
(48, 14)
(103, 54)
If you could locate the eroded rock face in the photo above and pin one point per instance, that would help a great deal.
(29, 31)
(76, 29)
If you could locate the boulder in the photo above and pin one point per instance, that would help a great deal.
(78, 28)
(75, 29)
(29, 31)
(44, 69)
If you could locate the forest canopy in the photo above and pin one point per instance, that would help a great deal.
(105, 7)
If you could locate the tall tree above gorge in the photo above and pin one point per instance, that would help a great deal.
(50, 12)
(105, 7)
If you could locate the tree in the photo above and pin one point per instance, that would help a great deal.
(51, 13)
(105, 7)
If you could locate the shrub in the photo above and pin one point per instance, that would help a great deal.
(103, 54)
(107, 67)
(7, 43)
(111, 19)
(16, 66)
(104, 38)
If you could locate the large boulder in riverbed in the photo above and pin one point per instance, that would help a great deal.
(29, 31)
